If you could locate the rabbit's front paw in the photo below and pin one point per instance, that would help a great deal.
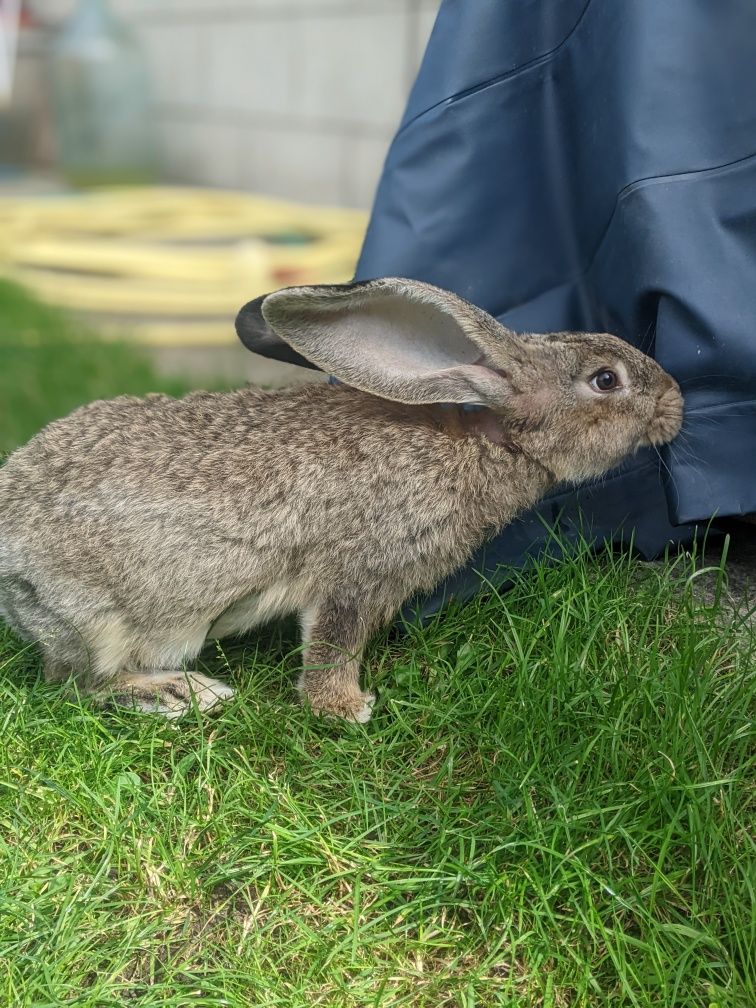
(357, 707)
(170, 693)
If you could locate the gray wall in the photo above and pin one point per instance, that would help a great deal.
(296, 98)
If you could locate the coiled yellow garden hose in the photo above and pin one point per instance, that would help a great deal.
(170, 265)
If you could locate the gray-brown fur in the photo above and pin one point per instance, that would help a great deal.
(133, 529)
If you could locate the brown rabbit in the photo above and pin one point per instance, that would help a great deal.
(134, 529)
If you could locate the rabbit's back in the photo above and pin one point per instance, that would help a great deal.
(166, 506)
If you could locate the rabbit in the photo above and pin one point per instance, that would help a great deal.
(134, 529)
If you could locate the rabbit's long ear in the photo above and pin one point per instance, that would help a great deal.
(399, 339)
(257, 336)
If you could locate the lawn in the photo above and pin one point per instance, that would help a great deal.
(550, 806)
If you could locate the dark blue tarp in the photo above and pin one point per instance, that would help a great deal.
(592, 165)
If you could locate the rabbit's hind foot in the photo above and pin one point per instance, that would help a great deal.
(171, 693)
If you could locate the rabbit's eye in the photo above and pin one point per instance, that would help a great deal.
(604, 381)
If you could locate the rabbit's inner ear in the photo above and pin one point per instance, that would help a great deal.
(401, 335)
(395, 343)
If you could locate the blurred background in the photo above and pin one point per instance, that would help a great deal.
(164, 161)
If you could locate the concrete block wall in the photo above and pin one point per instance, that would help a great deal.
(296, 98)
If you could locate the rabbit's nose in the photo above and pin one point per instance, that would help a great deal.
(667, 418)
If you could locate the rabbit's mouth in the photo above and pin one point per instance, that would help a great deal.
(667, 419)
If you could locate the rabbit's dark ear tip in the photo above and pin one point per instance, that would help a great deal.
(257, 336)
(250, 324)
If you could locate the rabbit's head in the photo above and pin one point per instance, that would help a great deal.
(576, 402)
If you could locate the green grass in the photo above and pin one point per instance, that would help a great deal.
(550, 807)
(50, 365)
